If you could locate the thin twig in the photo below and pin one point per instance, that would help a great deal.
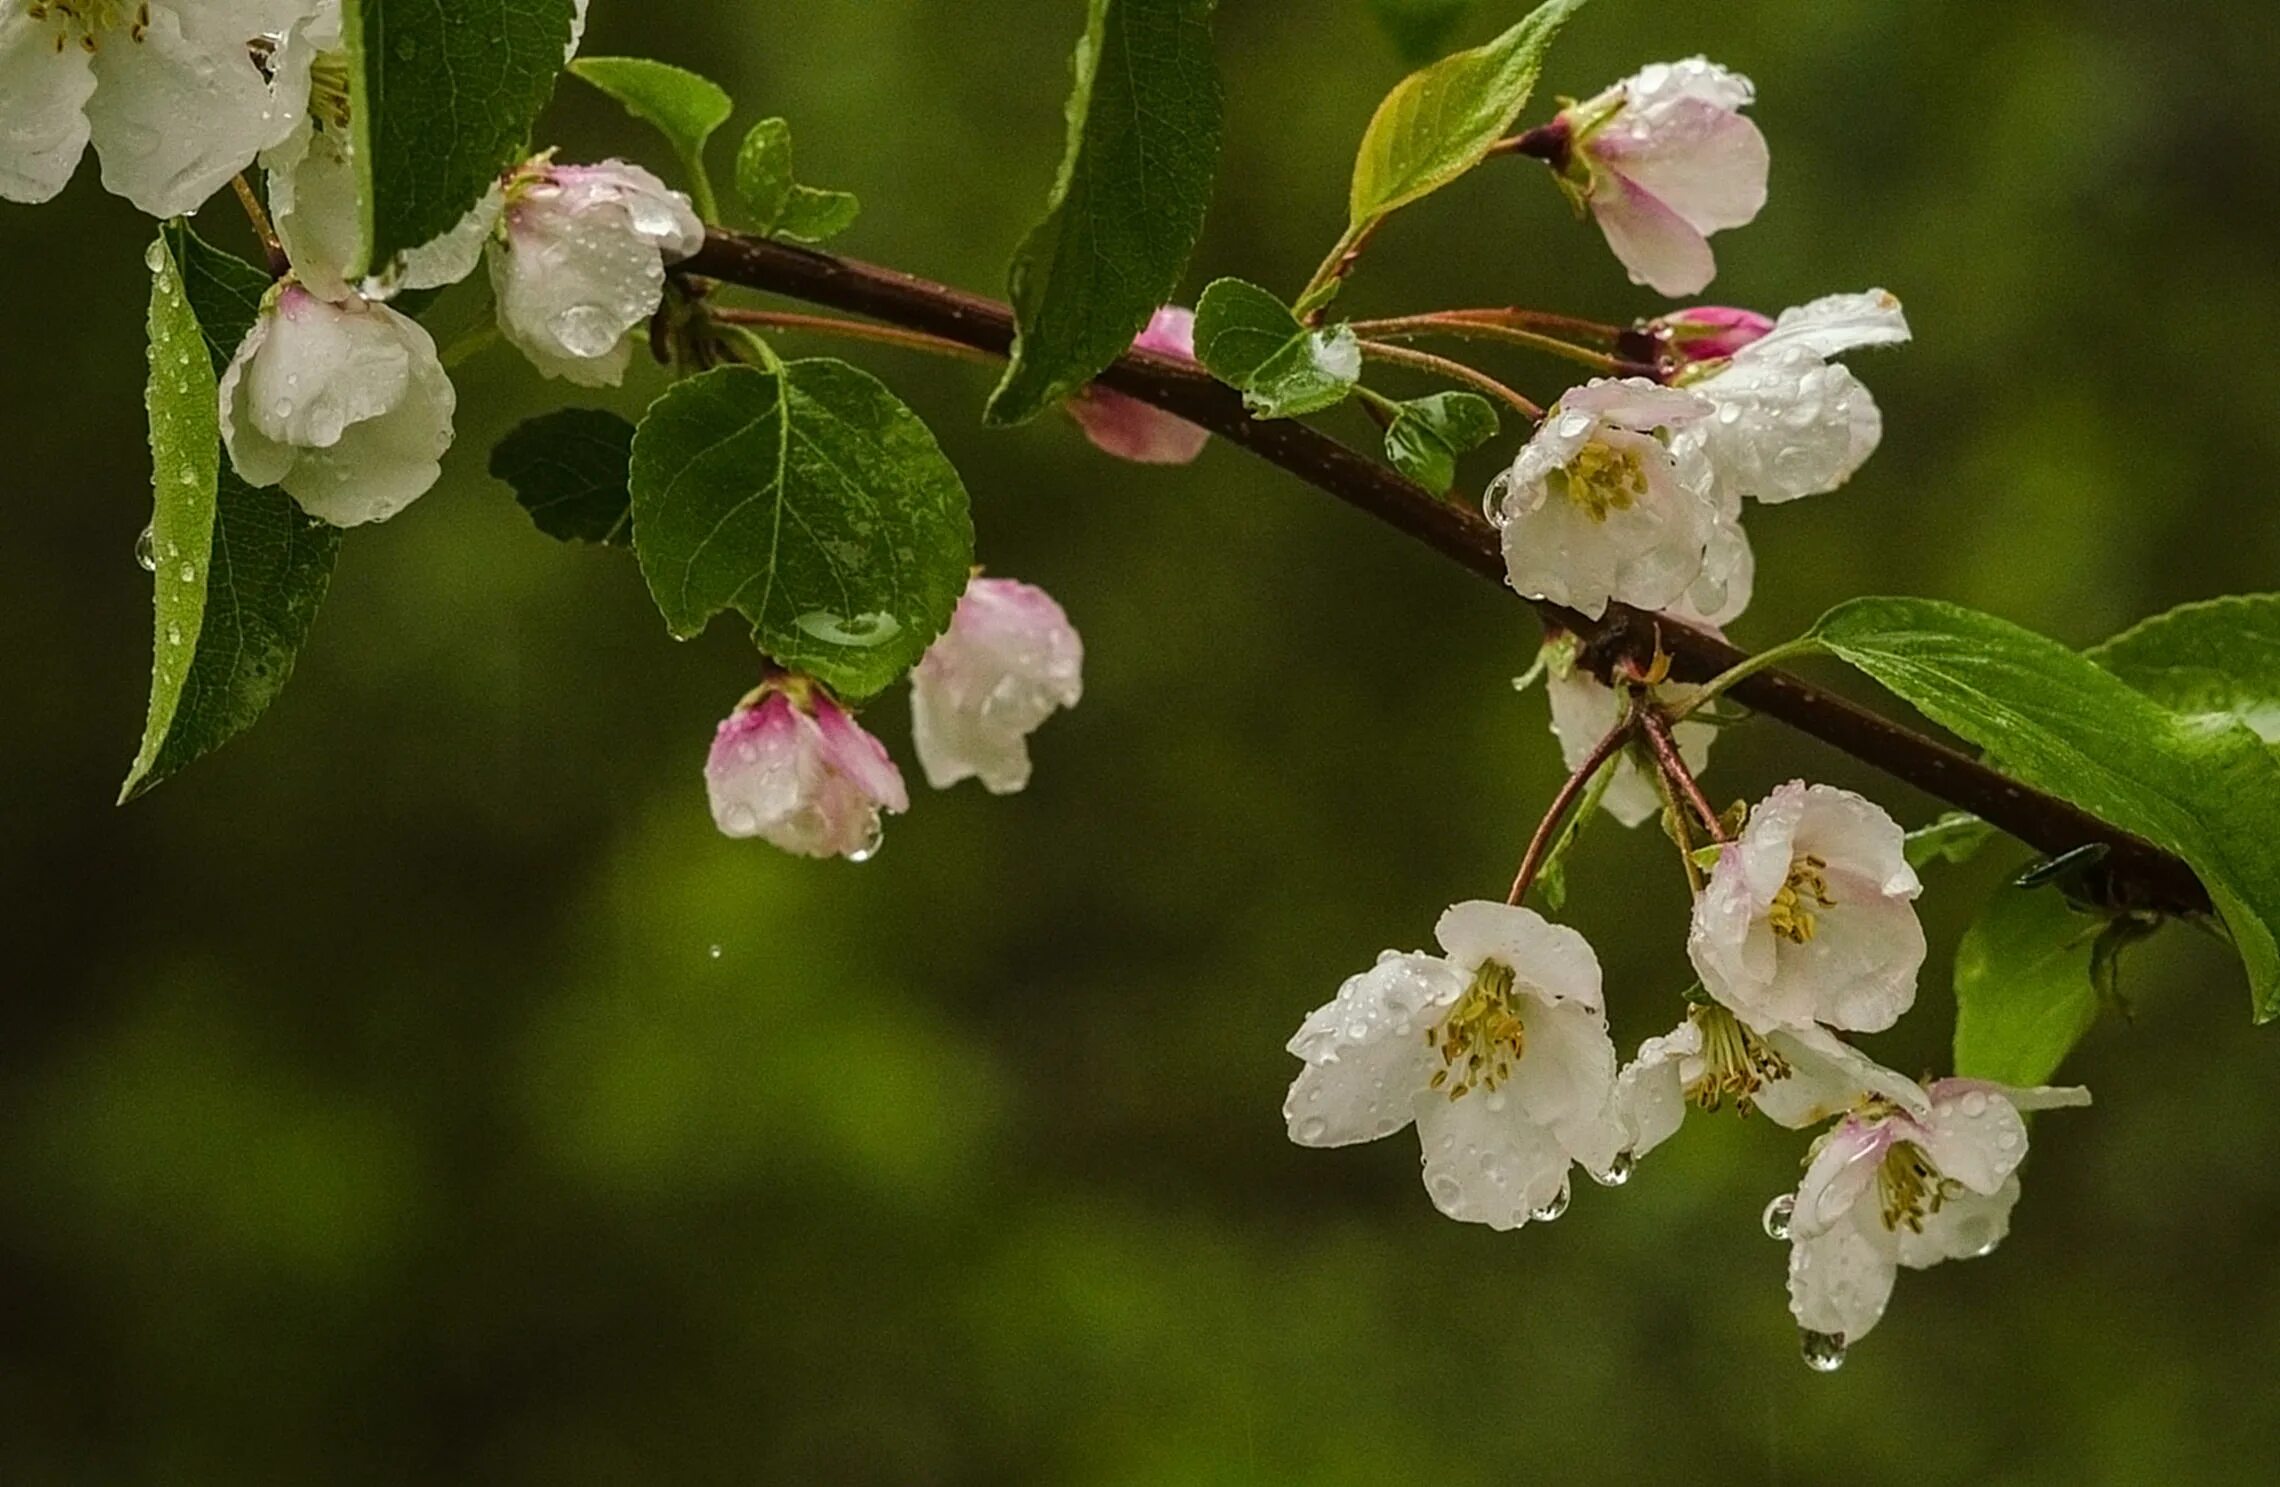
(1533, 861)
(1657, 729)
(1455, 371)
(1405, 326)
(271, 246)
(859, 330)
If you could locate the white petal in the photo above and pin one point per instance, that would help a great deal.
(1650, 1093)
(1565, 1078)
(1839, 1281)
(314, 202)
(325, 366)
(584, 263)
(1788, 425)
(1858, 971)
(175, 115)
(456, 254)
(1828, 1076)
(1486, 1162)
(1635, 403)
(43, 108)
(1659, 84)
(383, 464)
(1550, 960)
(1841, 1173)
(1367, 1052)
(1972, 1136)
(258, 459)
(1646, 554)
(1725, 587)
(1658, 247)
(1583, 709)
(1834, 324)
(1966, 1226)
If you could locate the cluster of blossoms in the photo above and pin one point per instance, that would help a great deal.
(1804, 930)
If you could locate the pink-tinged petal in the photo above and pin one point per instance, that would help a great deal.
(1840, 1280)
(1828, 1076)
(1634, 403)
(810, 783)
(1136, 431)
(1008, 661)
(1656, 245)
(850, 751)
(1169, 332)
(1704, 162)
(1841, 1174)
(1709, 332)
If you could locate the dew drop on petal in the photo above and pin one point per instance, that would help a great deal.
(1824, 1352)
(871, 844)
(1975, 1104)
(146, 550)
(1777, 1214)
(1555, 1208)
(1312, 1129)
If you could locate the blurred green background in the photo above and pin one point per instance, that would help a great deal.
(420, 1090)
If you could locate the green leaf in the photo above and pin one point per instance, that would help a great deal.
(1250, 340)
(684, 107)
(781, 206)
(2023, 992)
(1440, 121)
(442, 99)
(1128, 205)
(1428, 434)
(1955, 837)
(570, 470)
(1419, 28)
(239, 572)
(2208, 791)
(809, 499)
(2217, 659)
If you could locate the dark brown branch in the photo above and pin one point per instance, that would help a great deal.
(2148, 876)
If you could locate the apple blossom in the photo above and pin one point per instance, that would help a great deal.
(1663, 159)
(169, 92)
(1789, 422)
(1008, 661)
(1584, 709)
(1890, 1186)
(1496, 1049)
(1602, 505)
(798, 772)
(1809, 917)
(1703, 332)
(1133, 430)
(344, 405)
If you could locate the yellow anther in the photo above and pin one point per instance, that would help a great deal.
(1601, 479)
(1793, 915)
(1736, 1063)
(1482, 1037)
(1909, 1189)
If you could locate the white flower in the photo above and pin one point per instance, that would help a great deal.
(1009, 660)
(1809, 917)
(1585, 709)
(1133, 430)
(168, 91)
(802, 775)
(1663, 159)
(1892, 1186)
(1599, 506)
(1497, 1049)
(1789, 421)
(344, 405)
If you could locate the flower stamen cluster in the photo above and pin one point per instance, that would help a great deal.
(1483, 1036)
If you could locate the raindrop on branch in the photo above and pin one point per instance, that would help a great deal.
(146, 550)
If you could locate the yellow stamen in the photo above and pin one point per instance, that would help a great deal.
(1793, 914)
(1736, 1063)
(1482, 1038)
(1601, 479)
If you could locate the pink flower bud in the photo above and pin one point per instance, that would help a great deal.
(1707, 332)
(1009, 660)
(802, 775)
(1131, 429)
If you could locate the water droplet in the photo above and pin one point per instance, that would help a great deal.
(1618, 1171)
(1824, 1351)
(876, 627)
(1312, 1129)
(188, 573)
(713, 951)
(173, 634)
(587, 331)
(1555, 1208)
(871, 844)
(146, 550)
(155, 255)
(1777, 1215)
(1975, 1104)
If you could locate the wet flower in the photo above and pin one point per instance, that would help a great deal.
(344, 405)
(1810, 917)
(1704, 332)
(1789, 422)
(1497, 1049)
(1584, 709)
(1009, 660)
(795, 770)
(1890, 1186)
(168, 91)
(1604, 505)
(1662, 160)
(1133, 430)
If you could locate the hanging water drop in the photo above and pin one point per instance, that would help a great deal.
(1555, 1208)
(1777, 1214)
(146, 550)
(1824, 1352)
(871, 844)
(1619, 1170)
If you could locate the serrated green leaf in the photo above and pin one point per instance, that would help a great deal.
(570, 470)
(239, 573)
(781, 207)
(1440, 121)
(1126, 209)
(442, 99)
(1955, 837)
(1250, 340)
(686, 107)
(2023, 991)
(2208, 790)
(1419, 28)
(810, 500)
(2216, 659)
(1428, 434)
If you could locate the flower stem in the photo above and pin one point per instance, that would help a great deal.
(1343, 255)
(858, 330)
(1455, 371)
(263, 228)
(1657, 729)
(1541, 843)
(1491, 330)
(1711, 690)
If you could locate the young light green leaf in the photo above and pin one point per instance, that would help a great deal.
(1439, 122)
(1125, 211)
(2023, 992)
(1419, 28)
(442, 99)
(809, 499)
(1250, 340)
(1955, 837)
(2210, 792)
(1429, 433)
(2216, 659)
(569, 469)
(683, 106)
(238, 573)
(782, 207)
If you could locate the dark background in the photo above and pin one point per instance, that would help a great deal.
(421, 1090)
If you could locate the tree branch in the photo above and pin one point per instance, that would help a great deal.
(2145, 874)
